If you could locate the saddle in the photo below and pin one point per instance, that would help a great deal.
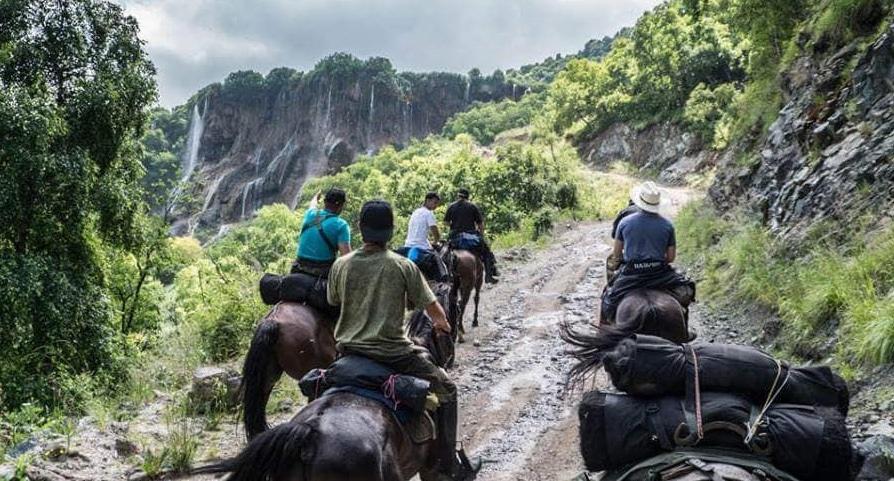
(407, 398)
(298, 287)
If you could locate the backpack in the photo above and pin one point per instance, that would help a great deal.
(700, 465)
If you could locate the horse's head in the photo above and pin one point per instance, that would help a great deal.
(422, 332)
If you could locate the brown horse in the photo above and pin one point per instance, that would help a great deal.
(293, 338)
(468, 273)
(341, 437)
(653, 312)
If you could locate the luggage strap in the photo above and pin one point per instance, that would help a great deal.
(690, 465)
(652, 414)
(771, 396)
(318, 222)
(692, 405)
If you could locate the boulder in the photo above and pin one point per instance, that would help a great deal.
(214, 387)
(878, 459)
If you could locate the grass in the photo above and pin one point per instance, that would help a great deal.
(822, 288)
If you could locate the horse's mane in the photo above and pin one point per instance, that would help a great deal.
(589, 347)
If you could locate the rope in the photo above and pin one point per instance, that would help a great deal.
(700, 431)
(771, 397)
(389, 389)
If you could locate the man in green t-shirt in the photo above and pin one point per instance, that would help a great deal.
(373, 286)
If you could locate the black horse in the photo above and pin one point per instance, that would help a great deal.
(342, 437)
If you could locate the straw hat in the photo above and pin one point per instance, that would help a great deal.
(646, 196)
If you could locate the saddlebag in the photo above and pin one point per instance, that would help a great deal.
(298, 287)
(653, 366)
(398, 390)
(618, 430)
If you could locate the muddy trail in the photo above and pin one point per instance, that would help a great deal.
(513, 412)
(512, 409)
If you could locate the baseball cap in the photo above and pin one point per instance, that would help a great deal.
(376, 221)
(464, 193)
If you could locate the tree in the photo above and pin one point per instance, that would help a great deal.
(75, 85)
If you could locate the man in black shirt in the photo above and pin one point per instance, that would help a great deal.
(464, 217)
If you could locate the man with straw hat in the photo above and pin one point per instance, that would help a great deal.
(646, 244)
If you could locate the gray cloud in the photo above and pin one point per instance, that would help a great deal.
(196, 42)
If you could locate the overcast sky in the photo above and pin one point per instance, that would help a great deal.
(197, 42)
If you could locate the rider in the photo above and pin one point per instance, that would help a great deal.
(373, 286)
(647, 244)
(422, 223)
(464, 217)
(612, 263)
(323, 235)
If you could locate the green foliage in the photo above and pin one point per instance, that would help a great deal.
(840, 21)
(649, 74)
(708, 113)
(538, 75)
(816, 291)
(75, 85)
(484, 121)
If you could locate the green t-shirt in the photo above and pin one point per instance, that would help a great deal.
(373, 290)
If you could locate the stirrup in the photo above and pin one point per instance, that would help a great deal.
(467, 470)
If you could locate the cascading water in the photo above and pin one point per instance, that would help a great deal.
(513, 91)
(372, 109)
(329, 108)
(194, 141)
(468, 87)
(249, 198)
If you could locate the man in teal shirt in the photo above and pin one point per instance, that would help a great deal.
(323, 235)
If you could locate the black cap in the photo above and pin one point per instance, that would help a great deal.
(432, 195)
(376, 221)
(464, 193)
(335, 196)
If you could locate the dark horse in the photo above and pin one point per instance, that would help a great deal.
(643, 311)
(341, 437)
(653, 312)
(467, 272)
(293, 338)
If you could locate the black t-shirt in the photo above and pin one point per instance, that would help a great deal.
(462, 216)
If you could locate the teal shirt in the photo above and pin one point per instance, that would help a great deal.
(311, 245)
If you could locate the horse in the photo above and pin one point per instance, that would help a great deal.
(342, 437)
(467, 272)
(643, 311)
(654, 312)
(291, 338)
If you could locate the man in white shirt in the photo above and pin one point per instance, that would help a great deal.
(418, 247)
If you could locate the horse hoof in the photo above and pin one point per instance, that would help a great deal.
(460, 340)
(474, 323)
(476, 343)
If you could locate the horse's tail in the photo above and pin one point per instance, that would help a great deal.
(259, 372)
(271, 455)
(589, 349)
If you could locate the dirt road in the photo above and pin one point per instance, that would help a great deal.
(513, 413)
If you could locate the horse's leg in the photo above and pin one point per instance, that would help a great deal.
(260, 373)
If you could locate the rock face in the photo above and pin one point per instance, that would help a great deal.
(664, 148)
(249, 149)
(214, 387)
(829, 153)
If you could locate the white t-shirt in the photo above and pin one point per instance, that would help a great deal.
(417, 231)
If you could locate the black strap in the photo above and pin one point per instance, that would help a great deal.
(654, 419)
(318, 221)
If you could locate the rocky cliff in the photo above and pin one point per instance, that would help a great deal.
(252, 142)
(830, 153)
(664, 149)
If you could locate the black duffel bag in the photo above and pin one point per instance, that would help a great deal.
(807, 442)
(653, 366)
(298, 287)
(402, 390)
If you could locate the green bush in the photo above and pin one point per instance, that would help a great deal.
(484, 121)
(814, 289)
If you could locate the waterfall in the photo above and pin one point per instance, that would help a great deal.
(372, 109)
(513, 91)
(328, 107)
(211, 192)
(468, 86)
(286, 151)
(249, 197)
(194, 140)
